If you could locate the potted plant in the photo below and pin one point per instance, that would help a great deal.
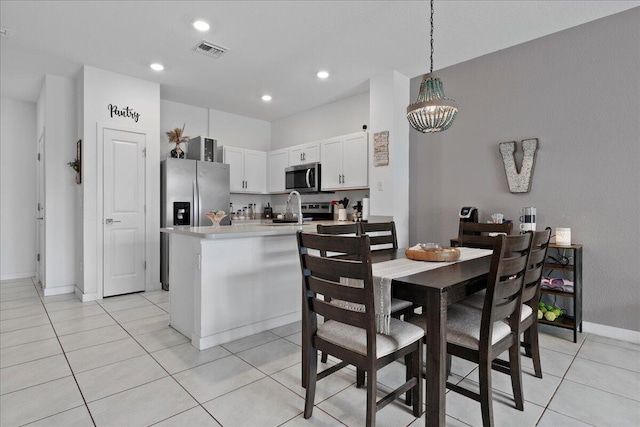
(176, 137)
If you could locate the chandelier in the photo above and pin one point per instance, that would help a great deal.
(432, 112)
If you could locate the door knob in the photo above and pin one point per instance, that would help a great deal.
(110, 221)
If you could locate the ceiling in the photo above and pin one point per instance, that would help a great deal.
(274, 47)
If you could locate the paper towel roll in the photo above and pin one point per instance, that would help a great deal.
(365, 209)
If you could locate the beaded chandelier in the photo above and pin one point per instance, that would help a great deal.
(432, 112)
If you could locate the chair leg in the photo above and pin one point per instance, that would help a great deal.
(534, 348)
(448, 364)
(516, 375)
(416, 366)
(359, 378)
(324, 357)
(312, 378)
(408, 369)
(371, 397)
(486, 398)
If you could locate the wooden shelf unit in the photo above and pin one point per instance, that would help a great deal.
(574, 268)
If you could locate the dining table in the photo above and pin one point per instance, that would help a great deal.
(435, 289)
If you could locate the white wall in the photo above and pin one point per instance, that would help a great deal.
(389, 97)
(338, 118)
(174, 115)
(577, 91)
(102, 88)
(18, 145)
(239, 131)
(58, 109)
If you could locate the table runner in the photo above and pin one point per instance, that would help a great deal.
(384, 273)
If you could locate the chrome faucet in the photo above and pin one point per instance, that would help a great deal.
(299, 204)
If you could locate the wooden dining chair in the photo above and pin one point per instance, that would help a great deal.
(476, 234)
(530, 299)
(385, 238)
(481, 335)
(348, 332)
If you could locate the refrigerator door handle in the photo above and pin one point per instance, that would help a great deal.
(196, 203)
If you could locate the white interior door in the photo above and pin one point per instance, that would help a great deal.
(124, 218)
(40, 223)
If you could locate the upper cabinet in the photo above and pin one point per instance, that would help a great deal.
(248, 169)
(278, 161)
(345, 162)
(305, 153)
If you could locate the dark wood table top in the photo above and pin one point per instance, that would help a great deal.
(438, 279)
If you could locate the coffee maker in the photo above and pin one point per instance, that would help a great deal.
(469, 214)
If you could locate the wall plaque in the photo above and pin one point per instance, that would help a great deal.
(519, 181)
(381, 148)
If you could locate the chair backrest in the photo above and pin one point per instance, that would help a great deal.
(385, 237)
(350, 228)
(476, 234)
(539, 246)
(325, 275)
(503, 299)
(335, 230)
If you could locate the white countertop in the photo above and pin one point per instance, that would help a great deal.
(250, 229)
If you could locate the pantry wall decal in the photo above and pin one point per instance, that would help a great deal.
(123, 112)
(519, 181)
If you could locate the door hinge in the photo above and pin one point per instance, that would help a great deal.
(38, 257)
(145, 208)
(145, 265)
(144, 152)
(38, 206)
(38, 156)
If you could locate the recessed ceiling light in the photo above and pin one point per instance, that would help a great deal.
(201, 26)
(266, 98)
(156, 66)
(323, 74)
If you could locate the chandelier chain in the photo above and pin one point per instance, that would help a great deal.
(431, 36)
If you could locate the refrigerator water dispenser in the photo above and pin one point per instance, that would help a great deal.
(181, 213)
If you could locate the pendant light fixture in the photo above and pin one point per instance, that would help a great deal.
(432, 112)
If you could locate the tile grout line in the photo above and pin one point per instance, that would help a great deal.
(165, 369)
(562, 379)
(68, 364)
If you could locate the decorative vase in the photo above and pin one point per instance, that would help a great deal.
(177, 152)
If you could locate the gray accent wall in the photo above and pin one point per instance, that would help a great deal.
(578, 92)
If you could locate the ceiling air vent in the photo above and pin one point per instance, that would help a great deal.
(210, 49)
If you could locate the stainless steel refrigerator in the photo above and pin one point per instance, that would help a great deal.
(189, 189)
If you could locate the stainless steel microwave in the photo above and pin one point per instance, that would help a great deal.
(303, 178)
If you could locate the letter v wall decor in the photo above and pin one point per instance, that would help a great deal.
(519, 182)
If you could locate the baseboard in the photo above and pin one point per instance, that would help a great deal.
(202, 343)
(153, 286)
(14, 276)
(59, 290)
(86, 297)
(611, 332)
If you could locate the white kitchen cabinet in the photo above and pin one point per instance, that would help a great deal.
(248, 169)
(278, 161)
(305, 153)
(345, 162)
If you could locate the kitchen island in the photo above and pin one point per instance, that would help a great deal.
(230, 282)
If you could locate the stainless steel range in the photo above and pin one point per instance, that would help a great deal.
(318, 210)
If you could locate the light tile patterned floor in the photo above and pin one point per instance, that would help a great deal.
(116, 362)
